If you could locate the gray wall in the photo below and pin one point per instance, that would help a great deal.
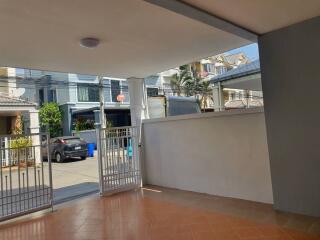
(222, 153)
(290, 64)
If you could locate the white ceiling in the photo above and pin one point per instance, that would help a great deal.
(138, 38)
(260, 16)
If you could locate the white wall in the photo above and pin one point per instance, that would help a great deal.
(222, 154)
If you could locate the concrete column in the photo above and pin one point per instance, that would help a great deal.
(218, 98)
(290, 81)
(35, 129)
(138, 102)
(97, 118)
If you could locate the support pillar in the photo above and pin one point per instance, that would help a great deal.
(138, 102)
(290, 81)
(35, 129)
(218, 98)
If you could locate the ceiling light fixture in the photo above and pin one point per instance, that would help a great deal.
(89, 42)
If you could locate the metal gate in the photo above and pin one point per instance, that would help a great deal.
(118, 157)
(25, 179)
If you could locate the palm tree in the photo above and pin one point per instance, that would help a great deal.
(179, 80)
(206, 93)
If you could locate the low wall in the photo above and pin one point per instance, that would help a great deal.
(88, 135)
(222, 153)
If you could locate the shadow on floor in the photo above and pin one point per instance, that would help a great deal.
(68, 193)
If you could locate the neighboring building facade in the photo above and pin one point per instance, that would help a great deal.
(238, 88)
(219, 64)
(76, 94)
(12, 106)
(159, 84)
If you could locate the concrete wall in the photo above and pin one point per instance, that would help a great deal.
(290, 65)
(217, 153)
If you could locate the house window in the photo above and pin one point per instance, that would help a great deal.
(221, 70)
(151, 92)
(87, 93)
(208, 67)
(125, 91)
(115, 90)
(52, 95)
(41, 97)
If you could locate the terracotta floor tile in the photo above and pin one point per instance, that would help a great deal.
(248, 233)
(166, 215)
(208, 235)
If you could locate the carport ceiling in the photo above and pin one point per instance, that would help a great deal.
(260, 16)
(138, 38)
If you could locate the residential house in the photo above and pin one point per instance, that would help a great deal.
(219, 64)
(12, 105)
(78, 94)
(238, 88)
(16, 116)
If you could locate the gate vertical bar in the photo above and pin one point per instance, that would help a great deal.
(100, 160)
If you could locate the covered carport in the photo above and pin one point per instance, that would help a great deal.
(139, 38)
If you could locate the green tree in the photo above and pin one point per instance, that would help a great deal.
(51, 118)
(206, 93)
(180, 80)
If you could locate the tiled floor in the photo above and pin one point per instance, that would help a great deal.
(160, 213)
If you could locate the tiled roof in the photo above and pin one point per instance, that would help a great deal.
(242, 70)
(6, 100)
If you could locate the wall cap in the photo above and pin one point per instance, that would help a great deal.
(206, 115)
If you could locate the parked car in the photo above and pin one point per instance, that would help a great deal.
(61, 148)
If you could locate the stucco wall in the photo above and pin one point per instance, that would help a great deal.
(290, 81)
(222, 154)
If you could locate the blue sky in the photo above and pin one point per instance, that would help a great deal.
(250, 50)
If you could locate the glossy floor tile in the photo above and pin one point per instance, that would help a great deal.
(161, 213)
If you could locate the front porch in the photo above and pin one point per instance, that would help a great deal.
(162, 213)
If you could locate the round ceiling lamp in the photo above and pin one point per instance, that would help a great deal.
(89, 42)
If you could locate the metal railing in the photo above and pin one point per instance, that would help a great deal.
(119, 166)
(25, 179)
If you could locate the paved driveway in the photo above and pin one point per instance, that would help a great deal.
(74, 177)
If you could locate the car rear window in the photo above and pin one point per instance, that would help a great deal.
(72, 140)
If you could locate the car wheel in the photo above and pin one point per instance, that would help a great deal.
(59, 157)
(83, 158)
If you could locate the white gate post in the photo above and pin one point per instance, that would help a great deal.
(35, 129)
(138, 103)
(6, 152)
(97, 119)
(138, 111)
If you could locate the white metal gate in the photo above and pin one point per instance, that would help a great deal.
(25, 179)
(118, 157)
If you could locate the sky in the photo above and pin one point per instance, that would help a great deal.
(250, 50)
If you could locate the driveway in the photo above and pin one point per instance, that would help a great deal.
(74, 178)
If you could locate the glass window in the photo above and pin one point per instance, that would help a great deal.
(88, 93)
(41, 97)
(52, 95)
(115, 90)
(125, 91)
(151, 92)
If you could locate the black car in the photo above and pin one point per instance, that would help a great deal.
(61, 148)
